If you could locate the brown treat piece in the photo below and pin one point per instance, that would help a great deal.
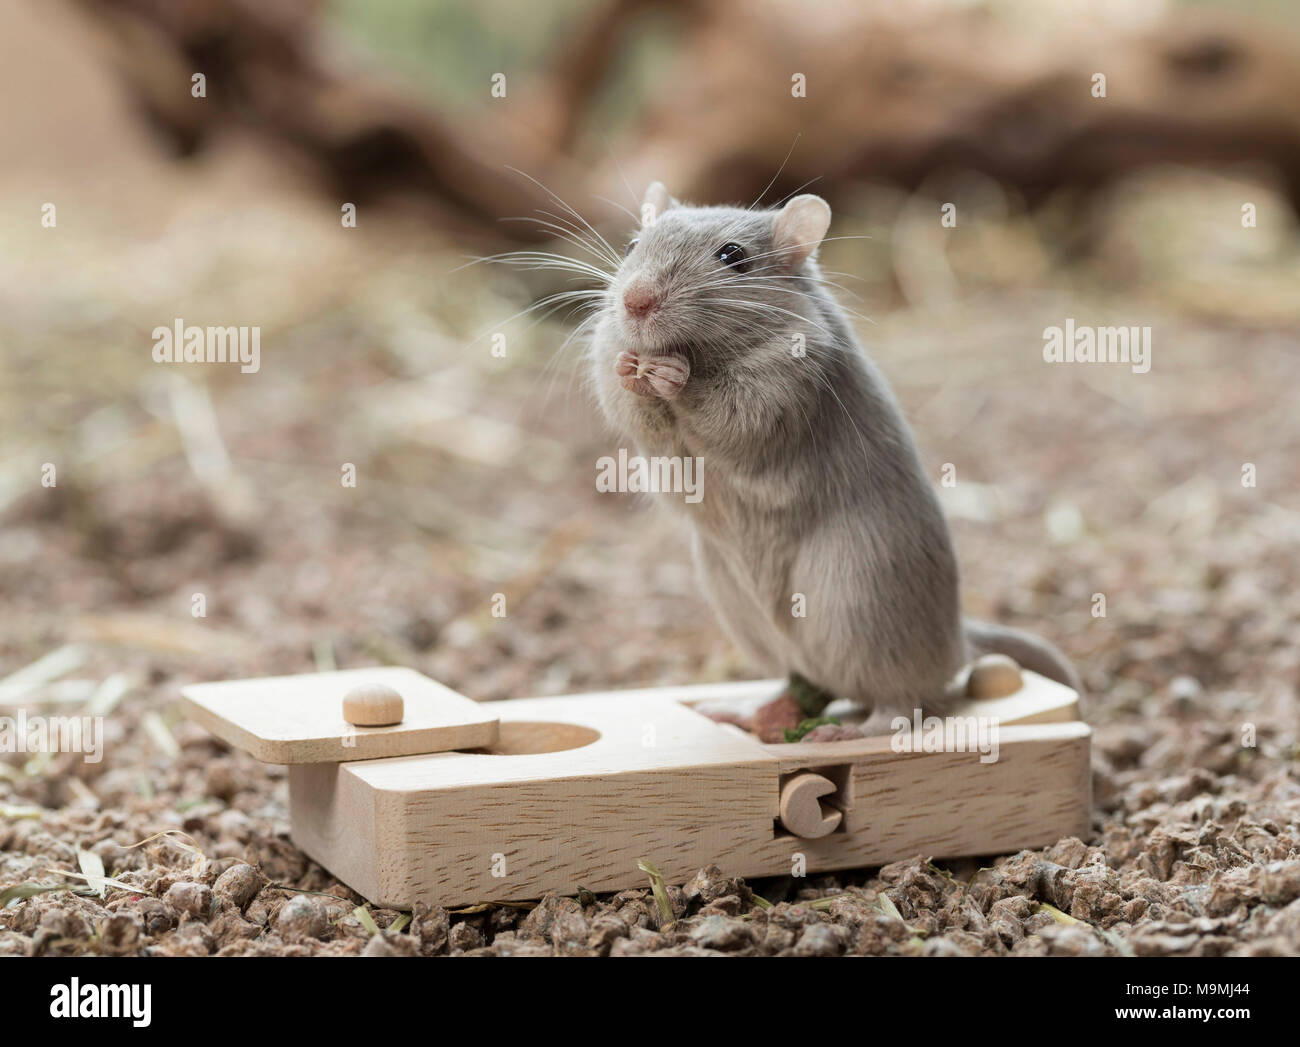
(993, 676)
(372, 705)
(771, 720)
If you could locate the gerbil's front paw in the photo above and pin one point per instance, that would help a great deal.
(661, 376)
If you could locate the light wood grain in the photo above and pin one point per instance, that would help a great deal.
(334, 820)
(662, 782)
(299, 719)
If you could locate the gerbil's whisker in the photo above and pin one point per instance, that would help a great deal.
(546, 260)
(789, 153)
(767, 282)
(794, 192)
(552, 365)
(626, 210)
(599, 244)
(555, 196)
(550, 304)
(766, 307)
(623, 178)
(567, 233)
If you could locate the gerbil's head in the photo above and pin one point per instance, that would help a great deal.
(715, 283)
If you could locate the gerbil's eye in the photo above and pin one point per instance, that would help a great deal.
(732, 255)
(630, 245)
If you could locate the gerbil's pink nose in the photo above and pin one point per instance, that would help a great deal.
(640, 301)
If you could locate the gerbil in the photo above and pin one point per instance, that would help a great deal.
(717, 338)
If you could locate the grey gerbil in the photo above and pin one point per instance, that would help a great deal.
(717, 338)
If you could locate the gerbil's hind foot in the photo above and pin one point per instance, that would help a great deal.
(660, 376)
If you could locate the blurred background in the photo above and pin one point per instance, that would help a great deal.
(474, 472)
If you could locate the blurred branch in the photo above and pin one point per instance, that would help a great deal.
(911, 96)
(896, 99)
(266, 74)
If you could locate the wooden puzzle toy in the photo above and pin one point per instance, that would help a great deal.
(460, 802)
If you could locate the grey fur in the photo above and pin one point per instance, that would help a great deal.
(813, 482)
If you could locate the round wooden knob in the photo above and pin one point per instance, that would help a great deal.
(802, 812)
(993, 676)
(372, 705)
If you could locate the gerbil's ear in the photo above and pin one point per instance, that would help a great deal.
(655, 202)
(800, 226)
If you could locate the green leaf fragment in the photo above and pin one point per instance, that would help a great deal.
(811, 698)
(795, 734)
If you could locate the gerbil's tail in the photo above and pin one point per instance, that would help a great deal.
(1032, 652)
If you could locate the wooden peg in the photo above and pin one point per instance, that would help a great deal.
(993, 676)
(372, 705)
(802, 812)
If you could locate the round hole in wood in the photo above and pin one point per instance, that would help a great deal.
(520, 738)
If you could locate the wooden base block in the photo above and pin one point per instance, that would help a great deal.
(578, 788)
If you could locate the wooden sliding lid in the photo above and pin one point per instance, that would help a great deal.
(299, 719)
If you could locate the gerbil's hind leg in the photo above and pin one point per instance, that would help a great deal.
(879, 722)
(940, 704)
(882, 716)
